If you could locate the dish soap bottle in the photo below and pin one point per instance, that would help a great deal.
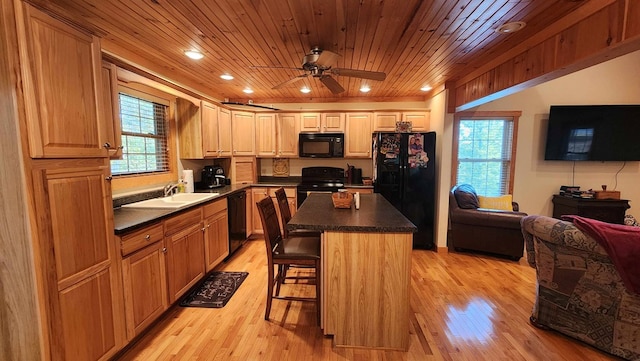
(181, 186)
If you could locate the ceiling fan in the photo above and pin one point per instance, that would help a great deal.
(319, 64)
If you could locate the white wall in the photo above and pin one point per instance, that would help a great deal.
(536, 180)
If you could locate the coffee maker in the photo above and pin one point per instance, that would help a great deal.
(212, 177)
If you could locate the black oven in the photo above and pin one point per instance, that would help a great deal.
(319, 179)
(321, 145)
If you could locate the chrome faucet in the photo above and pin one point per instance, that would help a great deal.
(170, 189)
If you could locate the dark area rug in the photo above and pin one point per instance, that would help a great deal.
(215, 291)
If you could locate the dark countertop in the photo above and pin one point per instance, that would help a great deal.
(376, 214)
(128, 219)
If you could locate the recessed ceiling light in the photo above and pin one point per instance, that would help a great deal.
(365, 89)
(194, 54)
(305, 90)
(511, 27)
(248, 90)
(226, 76)
(426, 88)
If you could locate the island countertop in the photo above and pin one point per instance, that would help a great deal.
(376, 214)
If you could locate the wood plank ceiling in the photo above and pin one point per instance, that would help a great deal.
(415, 42)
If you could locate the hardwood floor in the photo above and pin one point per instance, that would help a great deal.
(464, 307)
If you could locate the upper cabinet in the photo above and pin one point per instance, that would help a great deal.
(204, 131)
(277, 135)
(244, 132)
(358, 136)
(109, 93)
(64, 107)
(322, 122)
(385, 121)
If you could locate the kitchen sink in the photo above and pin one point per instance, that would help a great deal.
(177, 201)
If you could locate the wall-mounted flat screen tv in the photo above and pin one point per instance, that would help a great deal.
(593, 132)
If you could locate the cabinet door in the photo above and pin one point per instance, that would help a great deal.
(144, 280)
(385, 121)
(244, 170)
(333, 122)
(310, 122)
(244, 133)
(216, 239)
(266, 135)
(257, 194)
(287, 131)
(209, 116)
(109, 93)
(358, 138)
(64, 111)
(185, 260)
(419, 120)
(75, 253)
(224, 132)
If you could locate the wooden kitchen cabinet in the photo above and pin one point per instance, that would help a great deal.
(260, 193)
(184, 239)
(111, 102)
(243, 170)
(277, 135)
(75, 256)
(358, 136)
(322, 122)
(216, 234)
(144, 280)
(243, 132)
(63, 103)
(385, 121)
(204, 131)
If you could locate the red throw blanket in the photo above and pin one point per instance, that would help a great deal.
(622, 244)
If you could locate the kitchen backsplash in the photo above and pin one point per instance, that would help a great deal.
(296, 165)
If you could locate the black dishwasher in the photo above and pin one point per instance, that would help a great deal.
(237, 212)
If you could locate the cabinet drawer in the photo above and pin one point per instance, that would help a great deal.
(214, 207)
(134, 241)
(182, 220)
(290, 192)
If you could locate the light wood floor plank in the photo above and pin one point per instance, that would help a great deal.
(463, 307)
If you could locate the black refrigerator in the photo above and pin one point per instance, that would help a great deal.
(405, 174)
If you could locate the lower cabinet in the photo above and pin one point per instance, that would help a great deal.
(259, 193)
(216, 233)
(144, 277)
(184, 236)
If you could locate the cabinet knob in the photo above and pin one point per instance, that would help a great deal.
(203, 229)
(108, 178)
(107, 145)
(147, 237)
(164, 249)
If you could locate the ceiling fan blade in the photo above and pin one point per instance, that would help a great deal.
(332, 84)
(327, 59)
(273, 67)
(364, 74)
(290, 81)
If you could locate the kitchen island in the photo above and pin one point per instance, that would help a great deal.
(366, 270)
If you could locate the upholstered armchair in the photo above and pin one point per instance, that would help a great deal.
(472, 228)
(579, 290)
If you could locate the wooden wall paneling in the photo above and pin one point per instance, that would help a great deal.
(632, 18)
(591, 35)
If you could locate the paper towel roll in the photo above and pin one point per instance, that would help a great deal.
(187, 178)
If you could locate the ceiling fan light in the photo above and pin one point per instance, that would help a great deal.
(194, 54)
(426, 88)
(305, 90)
(511, 27)
(226, 76)
(247, 90)
(365, 89)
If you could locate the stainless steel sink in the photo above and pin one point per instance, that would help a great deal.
(180, 200)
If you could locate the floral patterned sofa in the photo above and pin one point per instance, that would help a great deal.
(579, 291)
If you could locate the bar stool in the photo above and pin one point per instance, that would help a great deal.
(284, 252)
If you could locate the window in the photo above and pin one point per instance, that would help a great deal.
(484, 151)
(144, 137)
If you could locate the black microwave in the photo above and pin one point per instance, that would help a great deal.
(321, 145)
